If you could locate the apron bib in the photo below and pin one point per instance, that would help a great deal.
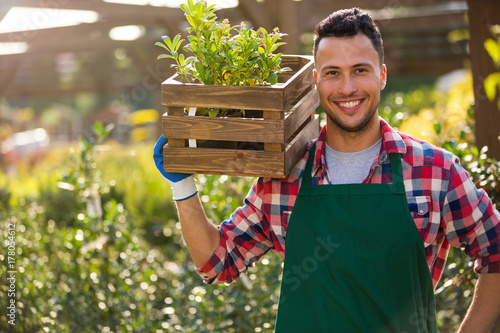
(355, 261)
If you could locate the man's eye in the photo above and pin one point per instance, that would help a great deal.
(360, 70)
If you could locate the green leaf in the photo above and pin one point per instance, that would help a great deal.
(191, 21)
(273, 78)
(200, 69)
(161, 45)
(256, 77)
(163, 56)
(167, 41)
(491, 83)
(276, 58)
(176, 43)
(98, 128)
(437, 128)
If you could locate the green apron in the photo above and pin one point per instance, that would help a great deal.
(355, 261)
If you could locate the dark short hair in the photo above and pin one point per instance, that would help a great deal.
(349, 22)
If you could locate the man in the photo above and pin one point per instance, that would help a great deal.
(368, 214)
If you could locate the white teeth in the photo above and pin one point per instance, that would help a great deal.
(350, 104)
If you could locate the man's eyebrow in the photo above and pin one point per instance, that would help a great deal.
(363, 64)
(329, 67)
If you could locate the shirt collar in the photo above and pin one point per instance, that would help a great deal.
(392, 142)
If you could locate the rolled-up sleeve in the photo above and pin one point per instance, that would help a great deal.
(471, 221)
(245, 238)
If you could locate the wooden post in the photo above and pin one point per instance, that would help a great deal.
(483, 14)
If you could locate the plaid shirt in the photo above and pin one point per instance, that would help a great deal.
(446, 206)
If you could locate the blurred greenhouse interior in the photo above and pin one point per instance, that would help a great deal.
(80, 110)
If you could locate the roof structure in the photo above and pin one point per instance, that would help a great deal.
(83, 58)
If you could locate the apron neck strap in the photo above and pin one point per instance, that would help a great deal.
(307, 178)
(396, 171)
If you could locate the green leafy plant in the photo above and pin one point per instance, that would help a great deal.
(220, 58)
(492, 81)
(223, 54)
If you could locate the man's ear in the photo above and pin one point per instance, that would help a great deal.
(383, 77)
(315, 73)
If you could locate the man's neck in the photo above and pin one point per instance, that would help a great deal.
(343, 141)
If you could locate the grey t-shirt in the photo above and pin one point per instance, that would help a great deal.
(350, 168)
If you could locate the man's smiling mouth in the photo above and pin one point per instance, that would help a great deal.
(349, 104)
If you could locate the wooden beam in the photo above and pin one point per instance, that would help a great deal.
(397, 66)
(258, 13)
(288, 21)
(407, 24)
(5, 7)
(330, 6)
(483, 14)
(105, 9)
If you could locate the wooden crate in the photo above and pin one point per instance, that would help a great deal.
(287, 124)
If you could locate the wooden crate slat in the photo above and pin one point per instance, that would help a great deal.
(172, 140)
(296, 85)
(278, 146)
(230, 97)
(251, 163)
(294, 62)
(301, 112)
(296, 149)
(224, 161)
(272, 98)
(224, 129)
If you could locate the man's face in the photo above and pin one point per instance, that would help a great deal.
(349, 78)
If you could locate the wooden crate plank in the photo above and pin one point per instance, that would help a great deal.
(230, 97)
(279, 146)
(301, 112)
(273, 98)
(297, 84)
(296, 149)
(224, 161)
(174, 141)
(295, 62)
(225, 129)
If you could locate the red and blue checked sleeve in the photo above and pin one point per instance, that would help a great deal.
(471, 221)
(245, 238)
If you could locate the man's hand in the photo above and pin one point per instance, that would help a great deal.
(182, 184)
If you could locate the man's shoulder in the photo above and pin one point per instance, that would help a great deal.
(297, 170)
(423, 153)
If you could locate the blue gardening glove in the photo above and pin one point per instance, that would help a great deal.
(183, 185)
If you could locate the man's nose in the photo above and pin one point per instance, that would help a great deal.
(347, 86)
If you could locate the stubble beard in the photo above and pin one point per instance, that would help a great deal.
(357, 130)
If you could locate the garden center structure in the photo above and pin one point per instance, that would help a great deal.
(40, 59)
